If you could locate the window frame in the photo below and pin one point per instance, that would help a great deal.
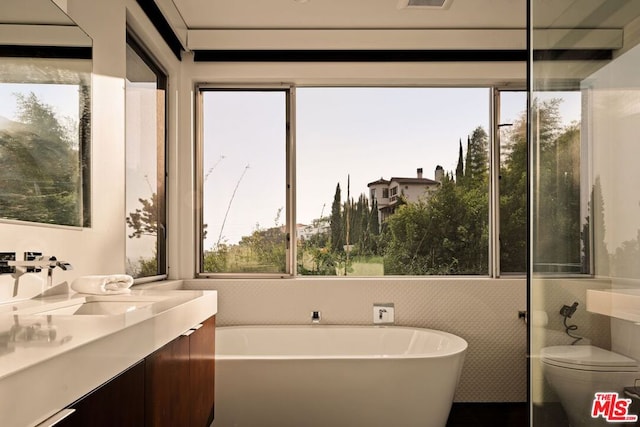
(493, 248)
(290, 220)
(136, 44)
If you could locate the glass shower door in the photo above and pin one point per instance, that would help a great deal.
(584, 211)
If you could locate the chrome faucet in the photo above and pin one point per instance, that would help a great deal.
(45, 261)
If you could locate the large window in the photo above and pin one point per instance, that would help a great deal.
(145, 93)
(380, 181)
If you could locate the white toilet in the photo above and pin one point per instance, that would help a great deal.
(577, 372)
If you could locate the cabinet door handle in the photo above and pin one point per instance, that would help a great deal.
(187, 333)
(56, 418)
(198, 326)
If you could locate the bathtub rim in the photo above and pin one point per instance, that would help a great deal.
(459, 348)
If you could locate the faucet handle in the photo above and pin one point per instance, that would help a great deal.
(64, 265)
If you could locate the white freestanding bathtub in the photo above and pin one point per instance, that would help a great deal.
(335, 376)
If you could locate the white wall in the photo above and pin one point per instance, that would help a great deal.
(100, 248)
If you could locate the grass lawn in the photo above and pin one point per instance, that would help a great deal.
(366, 266)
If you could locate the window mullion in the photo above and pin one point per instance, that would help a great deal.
(494, 185)
(291, 182)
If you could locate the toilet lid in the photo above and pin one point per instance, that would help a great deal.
(585, 357)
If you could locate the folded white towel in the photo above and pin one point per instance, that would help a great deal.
(103, 285)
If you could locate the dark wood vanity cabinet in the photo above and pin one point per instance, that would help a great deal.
(167, 385)
(202, 373)
(118, 402)
(179, 383)
(173, 386)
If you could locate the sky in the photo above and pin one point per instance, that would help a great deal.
(372, 133)
(360, 134)
(63, 99)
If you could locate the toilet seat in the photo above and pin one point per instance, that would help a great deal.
(587, 358)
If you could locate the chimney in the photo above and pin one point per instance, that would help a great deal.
(419, 173)
(439, 174)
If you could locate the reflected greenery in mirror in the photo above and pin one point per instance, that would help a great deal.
(44, 120)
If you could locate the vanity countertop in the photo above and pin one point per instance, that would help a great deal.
(621, 303)
(75, 353)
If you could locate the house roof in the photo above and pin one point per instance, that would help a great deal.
(380, 181)
(422, 181)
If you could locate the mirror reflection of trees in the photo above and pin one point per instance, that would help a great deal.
(40, 164)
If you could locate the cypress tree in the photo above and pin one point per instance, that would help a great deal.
(336, 222)
(477, 159)
(460, 167)
(374, 222)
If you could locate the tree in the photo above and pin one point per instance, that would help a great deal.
(513, 198)
(39, 167)
(144, 221)
(460, 167)
(477, 159)
(266, 248)
(315, 258)
(447, 235)
(336, 224)
(600, 251)
(556, 192)
(216, 261)
(42, 120)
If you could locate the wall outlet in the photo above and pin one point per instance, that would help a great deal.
(4, 257)
(383, 313)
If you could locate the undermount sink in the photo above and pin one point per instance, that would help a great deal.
(96, 306)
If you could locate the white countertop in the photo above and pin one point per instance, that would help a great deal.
(40, 377)
(619, 303)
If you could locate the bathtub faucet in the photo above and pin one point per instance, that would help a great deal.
(383, 313)
(315, 317)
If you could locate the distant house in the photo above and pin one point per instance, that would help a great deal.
(319, 226)
(389, 194)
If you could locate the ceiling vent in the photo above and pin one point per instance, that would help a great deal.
(424, 4)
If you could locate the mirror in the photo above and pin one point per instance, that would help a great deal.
(45, 94)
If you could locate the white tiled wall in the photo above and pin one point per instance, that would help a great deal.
(482, 311)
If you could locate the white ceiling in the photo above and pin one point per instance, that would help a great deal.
(383, 24)
(344, 14)
(38, 22)
(32, 12)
